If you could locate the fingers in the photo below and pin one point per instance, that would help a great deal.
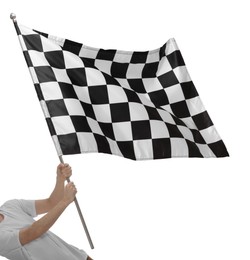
(64, 165)
(59, 166)
(71, 186)
(70, 192)
(64, 169)
(67, 170)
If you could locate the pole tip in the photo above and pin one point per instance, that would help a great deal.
(13, 17)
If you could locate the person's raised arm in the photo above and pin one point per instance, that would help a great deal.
(42, 225)
(63, 171)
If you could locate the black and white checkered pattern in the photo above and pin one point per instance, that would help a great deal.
(139, 105)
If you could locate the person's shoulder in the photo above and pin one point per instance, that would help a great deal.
(13, 203)
(20, 205)
(10, 202)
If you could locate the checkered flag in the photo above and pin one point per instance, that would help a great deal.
(139, 105)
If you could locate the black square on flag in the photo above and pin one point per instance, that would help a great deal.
(77, 76)
(174, 131)
(33, 42)
(132, 96)
(153, 113)
(193, 150)
(127, 149)
(98, 94)
(168, 79)
(69, 143)
(80, 123)
(189, 89)
(150, 69)
(180, 109)
(202, 120)
(102, 143)
(72, 46)
(57, 107)
(107, 130)
(67, 90)
(139, 57)
(161, 148)
(175, 59)
(120, 112)
(119, 70)
(88, 110)
(141, 130)
(137, 85)
(197, 136)
(159, 98)
(55, 59)
(106, 54)
(218, 148)
(45, 74)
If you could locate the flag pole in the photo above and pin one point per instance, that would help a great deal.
(13, 18)
(80, 213)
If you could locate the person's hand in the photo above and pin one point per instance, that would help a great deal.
(69, 192)
(64, 171)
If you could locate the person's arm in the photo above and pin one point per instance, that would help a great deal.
(43, 206)
(42, 225)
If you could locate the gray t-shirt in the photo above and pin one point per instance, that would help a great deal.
(19, 214)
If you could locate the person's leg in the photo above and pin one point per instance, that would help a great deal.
(88, 258)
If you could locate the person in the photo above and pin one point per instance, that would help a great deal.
(23, 238)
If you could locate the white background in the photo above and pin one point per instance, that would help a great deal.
(171, 209)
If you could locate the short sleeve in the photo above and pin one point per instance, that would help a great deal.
(9, 243)
(28, 206)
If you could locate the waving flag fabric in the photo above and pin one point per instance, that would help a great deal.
(139, 105)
